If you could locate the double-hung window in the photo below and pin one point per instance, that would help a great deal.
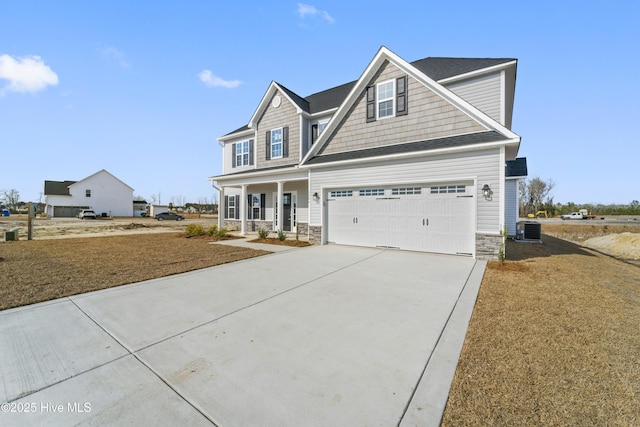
(276, 143)
(242, 153)
(386, 97)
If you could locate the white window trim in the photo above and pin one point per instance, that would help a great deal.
(231, 201)
(252, 207)
(281, 143)
(392, 99)
(240, 153)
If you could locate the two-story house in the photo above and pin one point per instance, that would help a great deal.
(417, 156)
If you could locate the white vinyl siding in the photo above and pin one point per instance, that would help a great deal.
(482, 92)
(227, 153)
(483, 166)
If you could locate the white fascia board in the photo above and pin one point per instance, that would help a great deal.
(320, 113)
(278, 174)
(375, 63)
(264, 103)
(237, 135)
(476, 73)
(426, 153)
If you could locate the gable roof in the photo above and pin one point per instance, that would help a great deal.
(436, 68)
(103, 171)
(57, 188)
(61, 188)
(383, 56)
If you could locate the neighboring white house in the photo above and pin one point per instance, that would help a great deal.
(102, 192)
(411, 155)
(156, 209)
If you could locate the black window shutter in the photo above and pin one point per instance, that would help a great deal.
(402, 91)
(314, 133)
(237, 209)
(263, 203)
(233, 155)
(371, 104)
(251, 152)
(285, 141)
(226, 206)
(268, 145)
(249, 207)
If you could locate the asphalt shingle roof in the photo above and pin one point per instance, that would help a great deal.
(437, 68)
(57, 188)
(517, 167)
(431, 144)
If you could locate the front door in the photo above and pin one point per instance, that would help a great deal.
(286, 207)
(289, 207)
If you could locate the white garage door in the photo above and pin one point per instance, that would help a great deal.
(431, 218)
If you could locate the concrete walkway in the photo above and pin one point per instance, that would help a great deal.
(325, 335)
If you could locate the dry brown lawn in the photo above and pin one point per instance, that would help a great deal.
(40, 270)
(554, 340)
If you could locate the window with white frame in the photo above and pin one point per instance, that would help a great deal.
(386, 96)
(242, 153)
(231, 207)
(87, 193)
(276, 143)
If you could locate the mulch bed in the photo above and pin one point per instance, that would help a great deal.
(286, 242)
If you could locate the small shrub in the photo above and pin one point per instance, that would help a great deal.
(213, 230)
(281, 235)
(194, 229)
(221, 233)
(263, 233)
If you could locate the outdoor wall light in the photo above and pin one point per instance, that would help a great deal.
(486, 192)
(316, 197)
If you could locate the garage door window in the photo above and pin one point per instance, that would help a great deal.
(341, 193)
(404, 191)
(371, 192)
(444, 189)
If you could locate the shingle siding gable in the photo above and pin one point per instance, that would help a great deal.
(285, 115)
(430, 116)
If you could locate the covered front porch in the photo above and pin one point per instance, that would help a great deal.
(250, 203)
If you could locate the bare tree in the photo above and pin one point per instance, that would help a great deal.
(534, 194)
(11, 199)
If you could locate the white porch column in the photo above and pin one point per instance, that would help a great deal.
(243, 211)
(221, 209)
(280, 206)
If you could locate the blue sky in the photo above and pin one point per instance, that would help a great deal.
(144, 88)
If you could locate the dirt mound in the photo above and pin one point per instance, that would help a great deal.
(624, 245)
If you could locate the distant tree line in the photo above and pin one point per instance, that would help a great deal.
(535, 196)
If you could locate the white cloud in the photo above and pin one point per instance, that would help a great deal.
(28, 74)
(113, 54)
(305, 10)
(210, 80)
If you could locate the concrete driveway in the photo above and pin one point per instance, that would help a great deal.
(325, 335)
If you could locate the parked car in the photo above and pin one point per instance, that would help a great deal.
(168, 215)
(87, 213)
